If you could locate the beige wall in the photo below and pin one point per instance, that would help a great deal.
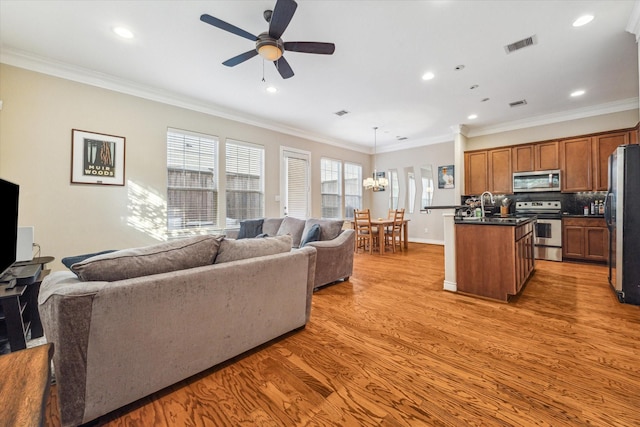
(36, 120)
(569, 128)
(434, 155)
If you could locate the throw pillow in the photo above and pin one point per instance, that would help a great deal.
(313, 235)
(250, 228)
(329, 228)
(271, 226)
(233, 250)
(70, 260)
(294, 227)
(161, 258)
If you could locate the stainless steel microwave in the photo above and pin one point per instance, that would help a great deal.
(536, 181)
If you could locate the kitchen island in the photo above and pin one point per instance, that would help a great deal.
(494, 255)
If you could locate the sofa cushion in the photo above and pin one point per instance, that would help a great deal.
(312, 235)
(294, 227)
(233, 250)
(329, 228)
(271, 226)
(250, 228)
(161, 258)
(70, 260)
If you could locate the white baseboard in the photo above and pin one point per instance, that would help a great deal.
(450, 286)
(428, 241)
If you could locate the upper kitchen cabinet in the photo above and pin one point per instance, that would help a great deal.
(488, 170)
(536, 157)
(576, 165)
(500, 171)
(604, 145)
(476, 171)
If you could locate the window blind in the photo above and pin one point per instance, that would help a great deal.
(192, 190)
(245, 180)
(297, 186)
(330, 187)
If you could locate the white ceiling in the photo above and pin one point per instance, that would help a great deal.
(382, 50)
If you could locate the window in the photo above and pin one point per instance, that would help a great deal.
(331, 183)
(411, 187)
(192, 187)
(245, 181)
(394, 189)
(352, 188)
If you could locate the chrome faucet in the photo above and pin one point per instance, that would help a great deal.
(482, 201)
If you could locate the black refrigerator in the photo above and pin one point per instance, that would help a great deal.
(622, 213)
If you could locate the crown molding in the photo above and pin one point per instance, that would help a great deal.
(105, 81)
(547, 119)
(82, 75)
(633, 26)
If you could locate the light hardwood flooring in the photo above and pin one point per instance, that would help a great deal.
(391, 348)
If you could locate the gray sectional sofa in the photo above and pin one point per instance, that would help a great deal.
(334, 245)
(129, 323)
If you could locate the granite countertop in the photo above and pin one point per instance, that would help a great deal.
(493, 220)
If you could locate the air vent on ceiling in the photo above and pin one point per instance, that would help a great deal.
(521, 44)
(518, 103)
(341, 113)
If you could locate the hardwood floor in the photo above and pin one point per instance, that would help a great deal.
(391, 348)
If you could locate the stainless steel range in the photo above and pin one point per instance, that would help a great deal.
(548, 229)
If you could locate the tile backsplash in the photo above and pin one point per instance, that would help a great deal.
(572, 203)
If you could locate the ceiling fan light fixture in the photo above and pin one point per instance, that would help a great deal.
(270, 52)
(269, 48)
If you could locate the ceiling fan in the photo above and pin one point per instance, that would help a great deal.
(269, 44)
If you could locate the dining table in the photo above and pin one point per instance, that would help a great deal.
(381, 224)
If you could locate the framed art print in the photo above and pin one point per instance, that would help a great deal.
(97, 158)
(445, 176)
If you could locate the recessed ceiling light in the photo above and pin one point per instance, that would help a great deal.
(428, 75)
(272, 89)
(459, 67)
(484, 99)
(474, 87)
(583, 20)
(472, 117)
(123, 32)
(577, 93)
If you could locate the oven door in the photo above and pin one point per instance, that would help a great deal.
(548, 239)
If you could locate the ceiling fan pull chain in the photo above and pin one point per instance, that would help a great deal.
(263, 80)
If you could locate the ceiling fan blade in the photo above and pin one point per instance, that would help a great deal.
(310, 47)
(284, 68)
(227, 27)
(232, 62)
(282, 14)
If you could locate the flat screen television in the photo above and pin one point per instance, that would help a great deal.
(9, 193)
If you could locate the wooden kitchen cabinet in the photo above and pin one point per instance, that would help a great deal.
(547, 156)
(488, 170)
(540, 156)
(476, 172)
(585, 239)
(576, 165)
(500, 171)
(478, 246)
(604, 145)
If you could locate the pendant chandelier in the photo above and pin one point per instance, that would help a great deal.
(375, 183)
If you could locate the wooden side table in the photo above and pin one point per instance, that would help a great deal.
(24, 389)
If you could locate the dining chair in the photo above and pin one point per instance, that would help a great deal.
(364, 231)
(393, 233)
